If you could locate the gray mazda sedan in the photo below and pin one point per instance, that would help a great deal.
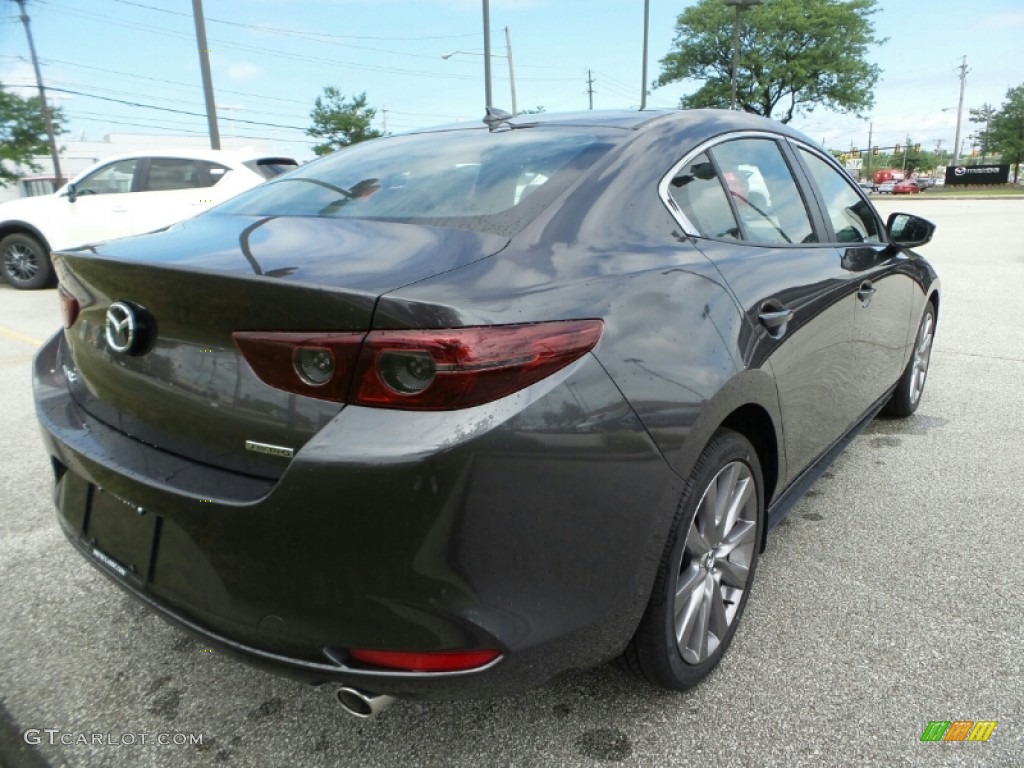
(445, 414)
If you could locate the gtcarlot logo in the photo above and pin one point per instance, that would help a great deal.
(52, 736)
(958, 730)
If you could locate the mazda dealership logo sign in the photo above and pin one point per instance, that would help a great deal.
(124, 329)
(960, 170)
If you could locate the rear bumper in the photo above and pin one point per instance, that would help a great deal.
(521, 526)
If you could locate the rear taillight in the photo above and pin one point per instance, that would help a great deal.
(312, 364)
(68, 306)
(437, 661)
(431, 370)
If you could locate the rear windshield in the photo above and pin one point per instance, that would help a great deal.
(471, 179)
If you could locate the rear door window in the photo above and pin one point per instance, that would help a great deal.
(170, 173)
(766, 197)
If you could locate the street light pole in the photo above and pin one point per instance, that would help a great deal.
(43, 105)
(643, 82)
(511, 71)
(957, 151)
(741, 5)
(487, 54)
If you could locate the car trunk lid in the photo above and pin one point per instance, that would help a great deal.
(182, 384)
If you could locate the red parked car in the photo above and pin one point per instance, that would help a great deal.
(907, 187)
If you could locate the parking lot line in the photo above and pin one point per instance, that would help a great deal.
(9, 333)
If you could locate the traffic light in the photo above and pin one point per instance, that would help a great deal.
(896, 151)
(855, 152)
(874, 150)
(917, 147)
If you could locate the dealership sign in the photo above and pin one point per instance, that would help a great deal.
(977, 174)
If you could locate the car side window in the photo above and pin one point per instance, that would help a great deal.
(766, 196)
(851, 215)
(112, 179)
(170, 173)
(698, 192)
(214, 172)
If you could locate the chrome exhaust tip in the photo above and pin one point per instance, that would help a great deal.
(362, 704)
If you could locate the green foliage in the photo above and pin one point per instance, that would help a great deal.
(340, 122)
(534, 111)
(795, 56)
(983, 115)
(22, 134)
(1006, 129)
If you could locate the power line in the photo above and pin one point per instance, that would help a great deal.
(175, 111)
(279, 30)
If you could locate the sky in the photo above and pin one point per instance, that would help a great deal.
(108, 63)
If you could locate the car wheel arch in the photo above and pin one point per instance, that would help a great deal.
(16, 227)
(748, 404)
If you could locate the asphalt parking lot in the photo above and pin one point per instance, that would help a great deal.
(890, 597)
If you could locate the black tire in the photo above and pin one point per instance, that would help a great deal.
(701, 571)
(25, 263)
(907, 395)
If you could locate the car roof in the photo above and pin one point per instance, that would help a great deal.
(725, 119)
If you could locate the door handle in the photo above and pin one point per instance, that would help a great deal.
(775, 317)
(867, 290)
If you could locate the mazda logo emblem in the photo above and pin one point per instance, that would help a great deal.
(122, 328)
(960, 170)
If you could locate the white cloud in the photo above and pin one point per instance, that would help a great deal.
(1001, 20)
(242, 71)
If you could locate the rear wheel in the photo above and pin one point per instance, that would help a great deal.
(24, 262)
(907, 396)
(706, 570)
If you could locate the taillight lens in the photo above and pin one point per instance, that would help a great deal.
(420, 369)
(462, 367)
(68, 306)
(438, 661)
(312, 364)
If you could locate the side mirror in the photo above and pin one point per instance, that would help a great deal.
(908, 231)
(72, 193)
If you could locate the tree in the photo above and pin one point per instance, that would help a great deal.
(340, 121)
(1006, 130)
(983, 115)
(795, 56)
(535, 111)
(22, 134)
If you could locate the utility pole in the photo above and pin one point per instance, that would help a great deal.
(47, 122)
(489, 102)
(643, 76)
(511, 72)
(870, 151)
(960, 110)
(204, 66)
(590, 88)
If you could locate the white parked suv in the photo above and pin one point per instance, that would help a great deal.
(121, 196)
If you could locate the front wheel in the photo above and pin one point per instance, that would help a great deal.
(706, 570)
(907, 396)
(24, 262)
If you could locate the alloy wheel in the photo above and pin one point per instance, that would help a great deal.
(20, 262)
(922, 356)
(714, 570)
